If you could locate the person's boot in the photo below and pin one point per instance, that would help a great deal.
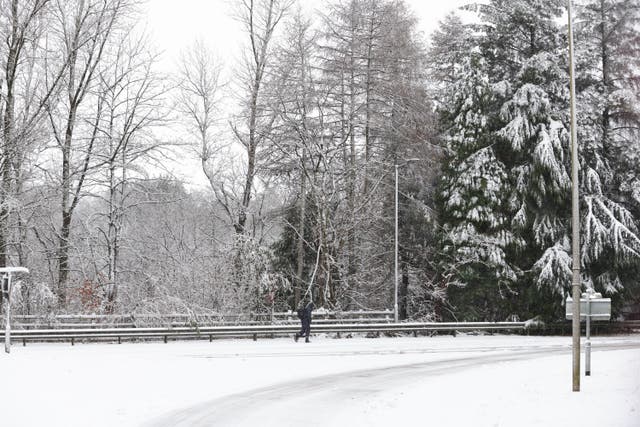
(295, 337)
(306, 339)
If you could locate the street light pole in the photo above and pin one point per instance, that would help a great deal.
(575, 219)
(395, 288)
(395, 282)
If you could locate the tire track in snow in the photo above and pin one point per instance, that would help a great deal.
(297, 402)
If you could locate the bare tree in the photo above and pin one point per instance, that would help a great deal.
(22, 101)
(199, 96)
(133, 106)
(260, 18)
(364, 114)
(85, 29)
(294, 93)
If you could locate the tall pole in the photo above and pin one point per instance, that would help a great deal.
(575, 218)
(395, 275)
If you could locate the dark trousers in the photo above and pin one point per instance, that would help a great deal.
(306, 328)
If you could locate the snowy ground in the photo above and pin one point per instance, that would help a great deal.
(441, 381)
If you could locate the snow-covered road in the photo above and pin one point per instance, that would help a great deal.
(331, 400)
(461, 381)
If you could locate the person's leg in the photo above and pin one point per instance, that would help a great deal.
(301, 333)
(307, 330)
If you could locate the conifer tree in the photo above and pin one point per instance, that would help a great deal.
(450, 44)
(523, 47)
(474, 182)
(608, 44)
(538, 143)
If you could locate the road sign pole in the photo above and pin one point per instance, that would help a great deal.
(593, 308)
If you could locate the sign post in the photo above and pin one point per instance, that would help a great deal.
(592, 307)
(6, 276)
(587, 344)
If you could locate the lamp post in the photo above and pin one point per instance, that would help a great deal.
(575, 218)
(395, 258)
(395, 283)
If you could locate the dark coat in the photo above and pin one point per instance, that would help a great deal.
(304, 313)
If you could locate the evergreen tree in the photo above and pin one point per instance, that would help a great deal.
(286, 256)
(518, 145)
(450, 45)
(522, 117)
(474, 182)
(538, 143)
(608, 44)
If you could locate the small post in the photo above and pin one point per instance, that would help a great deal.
(587, 346)
(594, 307)
(587, 355)
(6, 285)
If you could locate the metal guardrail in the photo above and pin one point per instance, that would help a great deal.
(194, 319)
(611, 327)
(371, 325)
(634, 324)
(118, 334)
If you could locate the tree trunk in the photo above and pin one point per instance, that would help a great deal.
(8, 126)
(65, 229)
(351, 192)
(63, 258)
(606, 83)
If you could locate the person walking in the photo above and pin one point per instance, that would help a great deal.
(304, 314)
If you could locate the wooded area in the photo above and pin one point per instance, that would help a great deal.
(300, 147)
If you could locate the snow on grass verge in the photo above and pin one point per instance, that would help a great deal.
(131, 384)
(532, 393)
